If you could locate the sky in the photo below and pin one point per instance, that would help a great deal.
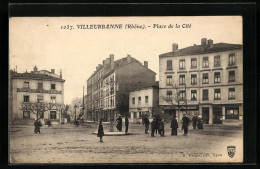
(41, 42)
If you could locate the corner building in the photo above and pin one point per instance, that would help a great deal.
(109, 85)
(205, 79)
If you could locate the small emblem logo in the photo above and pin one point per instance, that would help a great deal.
(231, 151)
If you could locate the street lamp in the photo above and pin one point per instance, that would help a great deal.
(75, 113)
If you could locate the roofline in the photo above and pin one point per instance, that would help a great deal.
(59, 80)
(153, 87)
(170, 54)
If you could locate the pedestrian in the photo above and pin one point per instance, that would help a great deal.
(157, 118)
(174, 126)
(200, 122)
(185, 124)
(194, 121)
(119, 123)
(153, 124)
(161, 127)
(37, 125)
(49, 123)
(146, 123)
(100, 131)
(126, 124)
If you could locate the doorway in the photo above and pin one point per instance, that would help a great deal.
(205, 115)
(217, 115)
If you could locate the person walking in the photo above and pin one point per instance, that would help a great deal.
(161, 127)
(146, 123)
(185, 124)
(200, 123)
(153, 125)
(194, 121)
(37, 125)
(100, 131)
(126, 124)
(119, 123)
(174, 126)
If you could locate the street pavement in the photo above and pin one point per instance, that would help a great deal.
(70, 144)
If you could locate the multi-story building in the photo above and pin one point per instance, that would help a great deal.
(144, 101)
(36, 93)
(204, 79)
(109, 86)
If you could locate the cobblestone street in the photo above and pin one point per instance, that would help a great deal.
(68, 144)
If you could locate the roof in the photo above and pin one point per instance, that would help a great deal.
(199, 49)
(154, 85)
(15, 75)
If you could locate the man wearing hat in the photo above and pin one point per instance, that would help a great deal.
(174, 126)
(119, 123)
(146, 123)
(185, 124)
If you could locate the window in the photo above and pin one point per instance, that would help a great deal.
(182, 95)
(217, 95)
(53, 115)
(193, 95)
(231, 76)
(40, 85)
(232, 113)
(193, 62)
(26, 114)
(182, 79)
(217, 77)
(146, 99)
(133, 100)
(26, 84)
(53, 86)
(205, 62)
(53, 99)
(169, 96)
(41, 115)
(169, 80)
(139, 100)
(205, 94)
(217, 60)
(231, 60)
(26, 98)
(231, 93)
(169, 64)
(205, 78)
(182, 64)
(194, 79)
(39, 97)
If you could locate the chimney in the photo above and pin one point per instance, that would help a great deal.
(61, 74)
(53, 71)
(204, 42)
(210, 43)
(128, 58)
(146, 64)
(111, 56)
(174, 47)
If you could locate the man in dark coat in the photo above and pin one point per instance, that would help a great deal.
(153, 125)
(161, 127)
(146, 123)
(100, 131)
(126, 124)
(174, 126)
(119, 123)
(194, 121)
(185, 124)
(37, 125)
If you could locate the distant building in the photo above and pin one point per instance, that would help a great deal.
(109, 86)
(36, 92)
(144, 101)
(208, 77)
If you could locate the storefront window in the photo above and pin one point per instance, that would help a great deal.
(232, 113)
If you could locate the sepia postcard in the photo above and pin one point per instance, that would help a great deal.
(165, 89)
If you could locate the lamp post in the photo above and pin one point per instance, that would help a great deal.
(75, 113)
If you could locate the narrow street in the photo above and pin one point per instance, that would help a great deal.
(68, 144)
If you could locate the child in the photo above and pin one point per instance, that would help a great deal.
(100, 131)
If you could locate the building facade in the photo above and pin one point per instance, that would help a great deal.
(144, 101)
(204, 79)
(109, 86)
(36, 93)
